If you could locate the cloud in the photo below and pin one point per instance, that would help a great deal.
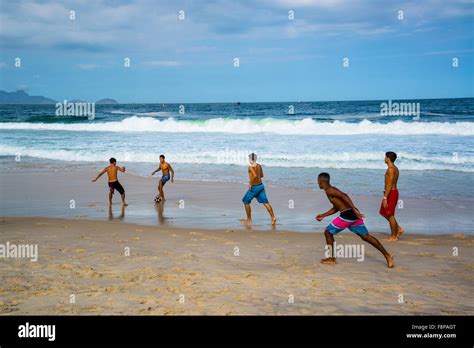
(292, 4)
(163, 63)
(88, 66)
(22, 87)
(212, 30)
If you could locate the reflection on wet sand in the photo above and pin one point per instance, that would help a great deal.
(120, 217)
(160, 209)
(249, 227)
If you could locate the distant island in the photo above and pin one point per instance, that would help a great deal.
(21, 97)
(107, 101)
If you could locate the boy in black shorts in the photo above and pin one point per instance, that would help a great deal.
(114, 184)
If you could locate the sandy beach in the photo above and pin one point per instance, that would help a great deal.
(193, 256)
(174, 271)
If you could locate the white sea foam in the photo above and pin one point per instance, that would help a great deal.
(150, 114)
(336, 160)
(305, 126)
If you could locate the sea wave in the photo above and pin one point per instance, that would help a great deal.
(150, 114)
(337, 160)
(305, 126)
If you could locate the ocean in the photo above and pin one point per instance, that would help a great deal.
(294, 141)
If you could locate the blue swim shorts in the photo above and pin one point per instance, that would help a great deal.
(257, 191)
(165, 178)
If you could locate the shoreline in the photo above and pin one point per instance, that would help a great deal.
(213, 205)
(368, 182)
(378, 234)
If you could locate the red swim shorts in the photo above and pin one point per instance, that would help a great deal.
(392, 201)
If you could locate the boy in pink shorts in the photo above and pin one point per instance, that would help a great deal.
(350, 217)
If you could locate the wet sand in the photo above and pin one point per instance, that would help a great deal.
(208, 205)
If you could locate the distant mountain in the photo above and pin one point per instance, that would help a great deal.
(21, 97)
(107, 101)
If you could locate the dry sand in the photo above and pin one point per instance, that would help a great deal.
(168, 265)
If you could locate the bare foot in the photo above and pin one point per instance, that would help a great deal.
(392, 239)
(329, 261)
(246, 220)
(274, 220)
(400, 231)
(124, 204)
(390, 263)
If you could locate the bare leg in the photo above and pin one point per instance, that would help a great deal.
(376, 244)
(329, 241)
(111, 213)
(162, 193)
(110, 198)
(400, 229)
(248, 211)
(123, 200)
(395, 229)
(270, 211)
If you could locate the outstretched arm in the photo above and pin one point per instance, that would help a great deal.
(156, 171)
(121, 169)
(331, 211)
(99, 175)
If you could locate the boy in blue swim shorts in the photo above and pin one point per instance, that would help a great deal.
(256, 190)
(166, 169)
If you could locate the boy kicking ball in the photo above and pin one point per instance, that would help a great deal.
(166, 170)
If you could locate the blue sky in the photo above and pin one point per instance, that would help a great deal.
(191, 60)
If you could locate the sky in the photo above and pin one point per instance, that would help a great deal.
(288, 50)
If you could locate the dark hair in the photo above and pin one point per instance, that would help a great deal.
(324, 176)
(112, 160)
(162, 156)
(253, 157)
(391, 155)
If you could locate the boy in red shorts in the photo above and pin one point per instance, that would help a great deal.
(390, 199)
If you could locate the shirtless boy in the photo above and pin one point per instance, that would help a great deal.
(114, 184)
(390, 199)
(166, 169)
(350, 217)
(256, 190)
